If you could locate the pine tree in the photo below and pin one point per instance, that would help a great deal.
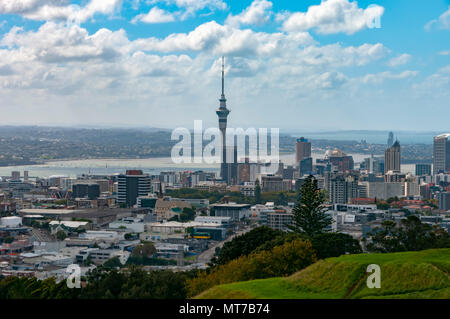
(309, 214)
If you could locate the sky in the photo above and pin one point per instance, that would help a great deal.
(294, 65)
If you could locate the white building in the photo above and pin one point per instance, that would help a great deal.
(11, 222)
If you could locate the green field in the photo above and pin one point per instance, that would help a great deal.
(421, 274)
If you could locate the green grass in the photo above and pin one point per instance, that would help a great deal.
(421, 275)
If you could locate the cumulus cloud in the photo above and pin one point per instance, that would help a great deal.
(45, 10)
(66, 67)
(55, 42)
(399, 60)
(155, 15)
(222, 39)
(258, 13)
(443, 22)
(333, 16)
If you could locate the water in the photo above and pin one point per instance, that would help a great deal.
(374, 137)
(153, 166)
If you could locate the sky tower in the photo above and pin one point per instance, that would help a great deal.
(222, 112)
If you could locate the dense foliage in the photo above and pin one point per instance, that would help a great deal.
(102, 284)
(409, 235)
(325, 245)
(280, 261)
(334, 245)
(245, 244)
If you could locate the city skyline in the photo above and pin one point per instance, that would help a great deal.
(292, 66)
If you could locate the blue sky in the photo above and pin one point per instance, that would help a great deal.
(296, 65)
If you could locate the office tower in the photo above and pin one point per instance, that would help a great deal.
(340, 160)
(444, 201)
(132, 185)
(390, 141)
(441, 154)
(423, 169)
(306, 166)
(341, 188)
(302, 150)
(231, 166)
(289, 172)
(15, 175)
(392, 158)
(86, 190)
(222, 112)
(25, 176)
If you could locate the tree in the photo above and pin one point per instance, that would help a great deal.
(8, 240)
(257, 192)
(280, 261)
(187, 214)
(410, 235)
(309, 213)
(245, 244)
(144, 250)
(61, 235)
(113, 263)
(334, 245)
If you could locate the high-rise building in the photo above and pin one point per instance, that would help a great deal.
(392, 158)
(341, 188)
(444, 201)
(86, 190)
(132, 185)
(341, 161)
(306, 166)
(15, 175)
(222, 112)
(423, 169)
(441, 154)
(390, 140)
(302, 149)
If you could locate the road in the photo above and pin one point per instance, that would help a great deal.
(206, 256)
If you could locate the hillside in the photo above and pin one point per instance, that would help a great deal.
(423, 274)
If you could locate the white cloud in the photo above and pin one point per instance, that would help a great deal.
(334, 16)
(435, 86)
(54, 42)
(190, 7)
(399, 60)
(443, 22)
(66, 70)
(378, 78)
(45, 10)
(155, 15)
(258, 13)
(444, 53)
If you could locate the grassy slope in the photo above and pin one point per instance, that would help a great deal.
(421, 274)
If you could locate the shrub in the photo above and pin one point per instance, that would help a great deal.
(282, 260)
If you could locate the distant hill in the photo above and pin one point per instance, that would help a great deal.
(423, 275)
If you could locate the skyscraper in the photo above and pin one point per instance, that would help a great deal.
(132, 185)
(222, 112)
(390, 140)
(441, 153)
(302, 149)
(392, 158)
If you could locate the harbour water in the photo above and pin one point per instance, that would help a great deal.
(153, 166)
